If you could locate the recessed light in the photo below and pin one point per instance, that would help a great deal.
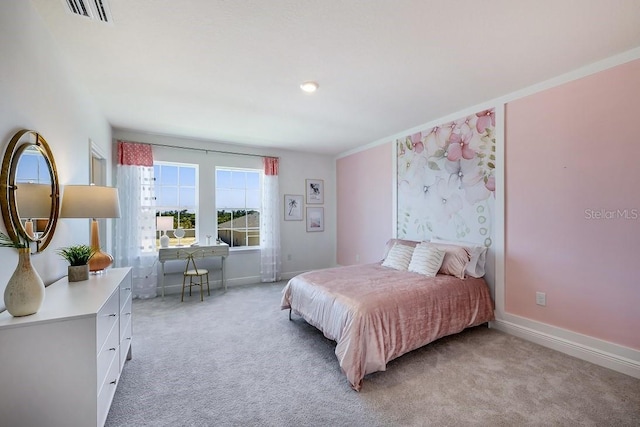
(309, 86)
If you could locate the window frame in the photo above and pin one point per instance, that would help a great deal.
(260, 174)
(164, 208)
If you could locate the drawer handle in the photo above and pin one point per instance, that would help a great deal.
(113, 382)
(113, 314)
(128, 314)
(112, 349)
(128, 338)
(126, 289)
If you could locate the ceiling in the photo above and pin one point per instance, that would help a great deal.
(229, 71)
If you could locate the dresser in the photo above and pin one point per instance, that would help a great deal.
(61, 366)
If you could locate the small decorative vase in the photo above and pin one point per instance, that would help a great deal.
(164, 240)
(24, 293)
(78, 273)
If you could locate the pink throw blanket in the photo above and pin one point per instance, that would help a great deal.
(376, 314)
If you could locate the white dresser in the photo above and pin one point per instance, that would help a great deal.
(61, 366)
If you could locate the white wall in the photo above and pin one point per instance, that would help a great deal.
(38, 92)
(306, 250)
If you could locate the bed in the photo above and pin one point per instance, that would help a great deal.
(376, 313)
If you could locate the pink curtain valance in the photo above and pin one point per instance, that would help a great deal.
(271, 165)
(134, 154)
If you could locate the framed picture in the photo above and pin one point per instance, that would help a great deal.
(315, 219)
(315, 191)
(293, 207)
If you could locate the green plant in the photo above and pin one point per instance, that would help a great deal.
(76, 254)
(8, 242)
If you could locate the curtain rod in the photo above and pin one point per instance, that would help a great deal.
(209, 150)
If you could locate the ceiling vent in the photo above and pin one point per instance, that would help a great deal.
(93, 9)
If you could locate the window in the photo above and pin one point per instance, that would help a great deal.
(32, 167)
(238, 201)
(176, 188)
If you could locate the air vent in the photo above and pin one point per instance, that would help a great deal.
(93, 9)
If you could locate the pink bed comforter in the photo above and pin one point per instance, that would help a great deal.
(376, 314)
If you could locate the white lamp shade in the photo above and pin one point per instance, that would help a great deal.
(164, 223)
(33, 200)
(90, 201)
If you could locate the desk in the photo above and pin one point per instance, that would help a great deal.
(181, 252)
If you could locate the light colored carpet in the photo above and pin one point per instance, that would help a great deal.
(236, 360)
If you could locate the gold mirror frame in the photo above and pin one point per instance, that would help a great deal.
(8, 188)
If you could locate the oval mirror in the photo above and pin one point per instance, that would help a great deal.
(29, 181)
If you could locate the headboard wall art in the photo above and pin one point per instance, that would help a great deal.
(446, 181)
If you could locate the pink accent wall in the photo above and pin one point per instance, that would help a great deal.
(573, 155)
(364, 196)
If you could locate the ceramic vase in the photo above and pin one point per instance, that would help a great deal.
(24, 293)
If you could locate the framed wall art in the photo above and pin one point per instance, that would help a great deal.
(315, 219)
(293, 207)
(314, 191)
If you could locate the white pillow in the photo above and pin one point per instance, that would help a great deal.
(478, 254)
(426, 259)
(398, 257)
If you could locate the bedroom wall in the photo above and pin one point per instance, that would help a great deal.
(571, 156)
(38, 92)
(301, 250)
(573, 206)
(364, 199)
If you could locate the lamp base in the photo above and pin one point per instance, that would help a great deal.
(99, 261)
(28, 228)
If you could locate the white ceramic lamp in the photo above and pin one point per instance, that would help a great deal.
(164, 223)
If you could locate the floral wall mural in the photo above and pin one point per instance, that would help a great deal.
(446, 181)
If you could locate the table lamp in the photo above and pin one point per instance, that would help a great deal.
(34, 202)
(164, 223)
(92, 201)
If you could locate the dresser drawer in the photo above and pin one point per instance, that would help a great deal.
(105, 396)
(125, 315)
(125, 292)
(125, 344)
(106, 318)
(107, 353)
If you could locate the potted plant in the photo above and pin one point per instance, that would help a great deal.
(24, 293)
(78, 257)
(19, 243)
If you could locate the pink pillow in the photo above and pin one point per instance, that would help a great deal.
(477, 253)
(455, 260)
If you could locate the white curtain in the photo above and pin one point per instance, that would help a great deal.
(270, 223)
(135, 233)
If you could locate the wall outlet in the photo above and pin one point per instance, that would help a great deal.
(357, 257)
(541, 298)
(288, 257)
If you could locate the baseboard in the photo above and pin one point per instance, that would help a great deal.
(602, 353)
(176, 288)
